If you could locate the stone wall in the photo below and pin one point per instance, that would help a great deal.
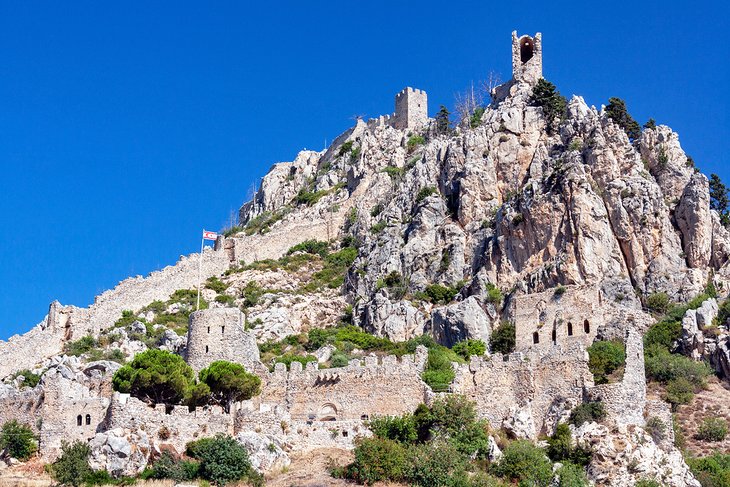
(360, 390)
(411, 111)
(24, 406)
(625, 401)
(543, 320)
(218, 334)
(173, 425)
(540, 382)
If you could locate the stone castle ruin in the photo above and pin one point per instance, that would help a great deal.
(424, 239)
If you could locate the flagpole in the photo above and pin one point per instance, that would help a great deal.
(200, 267)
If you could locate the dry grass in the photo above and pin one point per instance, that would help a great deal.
(713, 402)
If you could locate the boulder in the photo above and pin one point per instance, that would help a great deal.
(461, 321)
(138, 327)
(264, 451)
(519, 423)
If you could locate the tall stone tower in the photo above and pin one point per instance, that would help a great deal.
(526, 57)
(218, 334)
(411, 109)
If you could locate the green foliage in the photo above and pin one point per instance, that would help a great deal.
(503, 339)
(663, 334)
(233, 230)
(128, 317)
(553, 104)
(80, 346)
(438, 373)
(647, 483)
(345, 148)
(454, 419)
(719, 198)
(494, 294)
(251, 293)
(425, 193)
(656, 428)
(378, 459)
(222, 459)
(436, 463)
(339, 360)
(18, 439)
(658, 302)
(169, 467)
(606, 357)
(225, 299)
(650, 124)
(262, 223)
(215, 284)
(229, 382)
(443, 124)
(616, 111)
(664, 367)
(438, 294)
(414, 141)
(560, 447)
(394, 283)
(712, 429)
(155, 376)
(679, 391)
(72, 467)
(332, 274)
(306, 197)
(476, 117)
(571, 475)
(397, 428)
(314, 247)
(711, 471)
(29, 378)
(526, 464)
(587, 411)
(469, 348)
(559, 291)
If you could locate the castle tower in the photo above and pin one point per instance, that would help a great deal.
(411, 109)
(218, 334)
(526, 57)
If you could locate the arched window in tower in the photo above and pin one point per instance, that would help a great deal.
(536, 337)
(555, 336)
(570, 329)
(527, 49)
(88, 419)
(79, 420)
(586, 326)
(206, 349)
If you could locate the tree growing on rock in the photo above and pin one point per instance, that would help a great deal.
(719, 198)
(443, 124)
(616, 111)
(18, 440)
(229, 382)
(553, 104)
(156, 377)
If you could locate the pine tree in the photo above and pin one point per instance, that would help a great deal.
(443, 124)
(553, 104)
(719, 198)
(616, 110)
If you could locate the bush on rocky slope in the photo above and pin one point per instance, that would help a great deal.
(18, 440)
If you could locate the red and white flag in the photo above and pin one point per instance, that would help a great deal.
(209, 235)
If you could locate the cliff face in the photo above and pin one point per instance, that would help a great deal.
(507, 204)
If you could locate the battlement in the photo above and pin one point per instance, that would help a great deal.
(411, 111)
(408, 91)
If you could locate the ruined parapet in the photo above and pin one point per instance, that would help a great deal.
(374, 386)
(657, 413)
(539, 381)
(218, 334)
(526, 57)
(550, 318)
(625, 401)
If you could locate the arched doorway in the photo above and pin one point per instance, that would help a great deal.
(527, 49)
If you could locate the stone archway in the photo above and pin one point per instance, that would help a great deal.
(327, 412)
(527, 49)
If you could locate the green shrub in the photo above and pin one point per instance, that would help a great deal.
(571, 475)
(664, 367)
(72, 467)
(309, 198)
(29, 378)
(559, 291)
(215, 284)
(587, 411)
(438, 294)
(712, 429)
(80, 346)
(251, 293)
(169, 467)
(377, 210)
(414, 141)
(378, 227)
(222, 459)
(469, 348)
(711, 471)
(656, 428)
(679, 391)
(476, 117)
(397, 428)
(647, 483)
(526, 464)
(339, 360)
(606, 357)
(18, 440)
(494, 294)
(225, 299)
(378, 459)
(663, 334)
(438, 373)
(616, 111)
(502, 339)
(454, 419)
(262, 223)
(658, 302)
(425, 193)
(560, 447)
(314, 247)
(436, 464)
(553, 104)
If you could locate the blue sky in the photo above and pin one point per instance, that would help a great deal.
(126, 128)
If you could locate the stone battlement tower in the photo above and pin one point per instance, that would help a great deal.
(218, 334)
(411, 109)
(526, 57)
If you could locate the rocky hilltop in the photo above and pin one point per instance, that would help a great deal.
(543, 220)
